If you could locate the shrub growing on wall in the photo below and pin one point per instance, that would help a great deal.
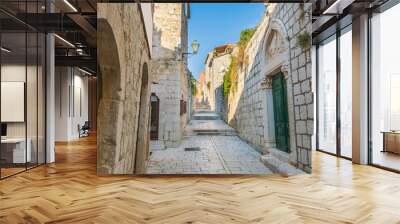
(231, 75)
(245, 37)
(227, 81)
(193, 83)
(304, 40)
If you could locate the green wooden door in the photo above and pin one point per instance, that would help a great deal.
(280, 112)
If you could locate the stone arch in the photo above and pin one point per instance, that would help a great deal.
(110, 102)
(278, 60)
(142, 143)
(276, 30)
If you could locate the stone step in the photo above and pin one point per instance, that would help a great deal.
(278, 166)
(205, 117)
(228, 132)
(211, 134)
(201, 108)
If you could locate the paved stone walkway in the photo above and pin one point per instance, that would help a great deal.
(219, 154)
(208, 124)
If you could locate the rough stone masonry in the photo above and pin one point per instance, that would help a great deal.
(123, 59)
(274, 48)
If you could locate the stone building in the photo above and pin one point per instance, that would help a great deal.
(273, 106)
(123, 52)
(217, 63)
(169, 65)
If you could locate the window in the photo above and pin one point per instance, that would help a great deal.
(22, 65)
(334, 97)
(385, 89)
(346, 93)
(327, 96)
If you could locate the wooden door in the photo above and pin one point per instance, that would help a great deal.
(155, 113)
(281, 117)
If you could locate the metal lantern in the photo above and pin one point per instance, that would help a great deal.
(195, 46)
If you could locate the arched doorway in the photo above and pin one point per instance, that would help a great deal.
(155, 115)
(142, 142)
(279, 120)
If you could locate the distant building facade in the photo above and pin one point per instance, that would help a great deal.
(217, 63)
(169, 64)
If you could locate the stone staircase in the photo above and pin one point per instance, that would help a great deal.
(201, 107)
(214, 132)
(205, 115)
(206, 122)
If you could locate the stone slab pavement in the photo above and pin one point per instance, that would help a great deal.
(217, 155)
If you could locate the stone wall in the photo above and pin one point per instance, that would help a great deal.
(274, 48)
(218, 65)
(170, 66)
(123, 60)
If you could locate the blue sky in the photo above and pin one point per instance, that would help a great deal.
(215, 24)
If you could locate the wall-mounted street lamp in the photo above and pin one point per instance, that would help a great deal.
(195, 48)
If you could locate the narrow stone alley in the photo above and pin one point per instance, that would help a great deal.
(209, 146)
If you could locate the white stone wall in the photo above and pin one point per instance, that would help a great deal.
(250, 108)
(216, 73)
(207, 72)
(170, 67)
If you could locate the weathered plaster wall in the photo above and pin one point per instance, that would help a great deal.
(170, 66)
(122, 53)
(249, 108)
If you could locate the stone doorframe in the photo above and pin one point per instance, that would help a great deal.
(278, 60)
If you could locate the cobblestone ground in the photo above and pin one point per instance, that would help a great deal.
(217, 155)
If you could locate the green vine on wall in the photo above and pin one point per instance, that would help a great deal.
(193, 83)
(237, 61)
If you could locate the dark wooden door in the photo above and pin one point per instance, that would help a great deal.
(280, 112)
(155, 114)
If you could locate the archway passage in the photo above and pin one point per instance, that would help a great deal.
(155, 115)
(281, 116)
(142, 146)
